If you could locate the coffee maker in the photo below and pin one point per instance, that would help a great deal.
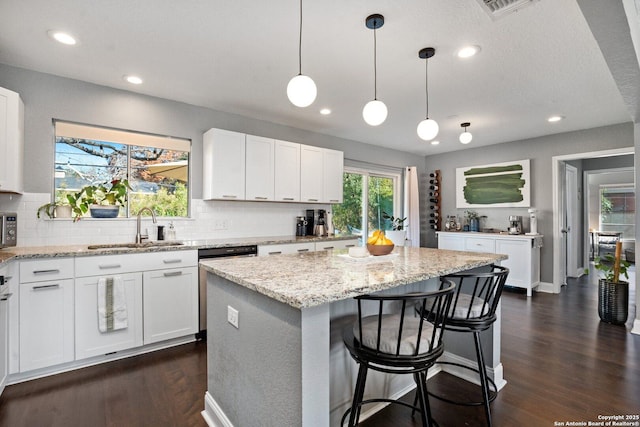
(321, 225)
(310, 217)
(515, 224)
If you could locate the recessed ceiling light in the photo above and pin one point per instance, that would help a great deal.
(468, 51)
(553, 119)
(62, 37)
(435, 142)
(325, 111)
(134, 80)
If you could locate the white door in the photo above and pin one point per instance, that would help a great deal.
(572, 221)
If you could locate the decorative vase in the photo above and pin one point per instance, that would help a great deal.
(104, 211)
(396, 236)
(613, 301)
(474, 224)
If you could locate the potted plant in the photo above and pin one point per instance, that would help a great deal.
(100, 200)
(613, 293)
(397, 234)
(58, 209)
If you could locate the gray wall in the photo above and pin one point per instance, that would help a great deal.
(540, 151)
(47, 97)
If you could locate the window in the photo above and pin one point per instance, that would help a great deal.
(618, 209)
(366, 195)
(157, 167)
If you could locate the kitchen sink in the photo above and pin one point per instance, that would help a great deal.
(136, 245)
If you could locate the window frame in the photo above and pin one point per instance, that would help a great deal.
(601, 190)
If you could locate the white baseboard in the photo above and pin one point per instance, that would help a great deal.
(497, 373)
(636, 327)
(546, 287)
(213, 414)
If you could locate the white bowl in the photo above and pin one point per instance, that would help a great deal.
(358, 252)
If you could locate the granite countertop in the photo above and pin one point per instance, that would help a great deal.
(315, 278)
(58, 251)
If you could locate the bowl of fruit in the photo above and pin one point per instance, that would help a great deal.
(378, 244)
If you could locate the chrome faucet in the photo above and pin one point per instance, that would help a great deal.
(140, 237)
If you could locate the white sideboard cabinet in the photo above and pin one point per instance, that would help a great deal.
(11, 141)
(523, 251)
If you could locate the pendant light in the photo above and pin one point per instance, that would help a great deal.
(465, 137)
(301, 89)
(374, 112)
(428, 128)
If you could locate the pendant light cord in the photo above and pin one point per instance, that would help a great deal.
(300, 43)
(426, 83)
(375, 65)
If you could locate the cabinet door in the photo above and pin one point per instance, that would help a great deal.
(89, 340)
(46, 324)
(452, 243)
(260, 163)
(333, 165)
(170, 301)
(4, 339)
(287, 171)
(223, 168)
(11, 141)
(311, 174)
(518, 263)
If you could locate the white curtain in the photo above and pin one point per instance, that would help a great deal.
(412, 206)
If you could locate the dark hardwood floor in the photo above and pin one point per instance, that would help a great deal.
(561, 363)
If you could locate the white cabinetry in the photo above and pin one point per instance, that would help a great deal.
(46, 313)
(11, 141)
(523, 251)
(223, 155)
(259, 168)
(89, 340)
(4, 331)
(286, 248)
(287, 171)
(333, 168)
(311, 173)
(336, 244)
(170, 303)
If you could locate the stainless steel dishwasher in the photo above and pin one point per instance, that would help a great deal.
(230, 251)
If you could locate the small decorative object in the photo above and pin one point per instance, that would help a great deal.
(378, 244)
(613, 293)
(473, 219)
(101, 200)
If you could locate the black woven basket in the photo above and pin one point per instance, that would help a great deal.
(613, 301)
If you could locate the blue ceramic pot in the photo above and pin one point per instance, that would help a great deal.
(107, 211)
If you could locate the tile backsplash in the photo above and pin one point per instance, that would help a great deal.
(209, 220)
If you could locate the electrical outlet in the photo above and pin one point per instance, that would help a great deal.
(232, 316)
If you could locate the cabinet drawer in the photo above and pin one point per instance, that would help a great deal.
(289, 248)
(475, 244)
(129, 263)
(335, 244)
(46, 269)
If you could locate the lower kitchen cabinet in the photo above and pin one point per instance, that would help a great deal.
(89, 340)
(170, 303)
(4, 332)
(287, 248)
(46, 323)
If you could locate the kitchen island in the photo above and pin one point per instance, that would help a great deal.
(283, 362)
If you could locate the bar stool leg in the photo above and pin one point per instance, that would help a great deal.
(484, 383)
(422, 398)
(358, 394)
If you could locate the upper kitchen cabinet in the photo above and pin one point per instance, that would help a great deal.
(287, 171)
(333, 170)
(311, 172)
(11, 141)
(223, 154)
(321, 172)
(260, 164)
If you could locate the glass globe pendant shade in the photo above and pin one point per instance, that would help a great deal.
(428, 129)
(465, 137)
(301, 91)
(374, 112)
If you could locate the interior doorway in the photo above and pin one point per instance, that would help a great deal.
(560, 189)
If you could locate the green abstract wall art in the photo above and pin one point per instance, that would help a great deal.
(498, 185)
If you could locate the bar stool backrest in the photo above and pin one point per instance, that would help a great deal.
(476, 298)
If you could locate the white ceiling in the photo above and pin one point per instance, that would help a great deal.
(238, 56)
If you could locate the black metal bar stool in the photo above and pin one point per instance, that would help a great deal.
(473, 310)
(395, 340)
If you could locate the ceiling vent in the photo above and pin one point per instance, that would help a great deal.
(499, 8)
